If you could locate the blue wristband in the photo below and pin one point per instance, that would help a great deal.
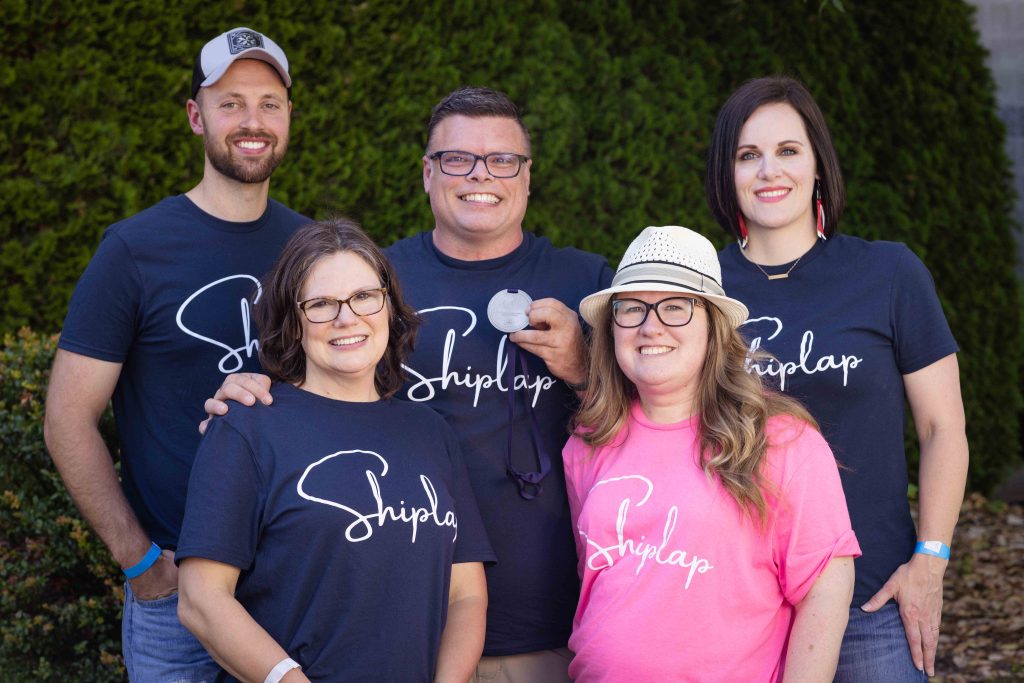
(147, 561)
(933, 548)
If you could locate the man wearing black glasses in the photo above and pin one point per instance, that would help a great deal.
(510, 403)
(163, 310)
(476, 172)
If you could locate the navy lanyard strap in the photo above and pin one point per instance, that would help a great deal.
(529, 482)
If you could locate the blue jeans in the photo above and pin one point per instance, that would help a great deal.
(157, 648)
(875, 649)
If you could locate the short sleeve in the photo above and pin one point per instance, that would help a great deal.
(226, 498)
(812, 524)
(472, 543)
(105, 307)
(570, 454)
(921, 332)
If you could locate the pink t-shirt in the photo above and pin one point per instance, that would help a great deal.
(678, 584)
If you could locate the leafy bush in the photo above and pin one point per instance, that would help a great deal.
(61, 596)
(620, 98)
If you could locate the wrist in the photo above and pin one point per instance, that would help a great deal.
(932, 549)
(129, 549)
(281, 670)
(578, 386)
(933, 565)
(144, 563)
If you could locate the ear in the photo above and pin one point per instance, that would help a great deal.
(427, 173)
(526, 171)
(195, 119)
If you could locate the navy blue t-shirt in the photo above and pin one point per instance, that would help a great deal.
(345, 519)
(851, 319)
(169, 294)
(458, 370)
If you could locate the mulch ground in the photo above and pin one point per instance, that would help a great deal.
(982, 636)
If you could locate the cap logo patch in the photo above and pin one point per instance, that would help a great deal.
(240, 41)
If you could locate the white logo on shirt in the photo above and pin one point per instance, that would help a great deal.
(424, 388)
(363, 523)
(232, 360)
(776, 368)
(605, 556)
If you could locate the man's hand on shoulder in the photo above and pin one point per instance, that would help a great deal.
(244, 387)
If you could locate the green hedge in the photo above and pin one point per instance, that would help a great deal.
(60, 600)
(621, 99)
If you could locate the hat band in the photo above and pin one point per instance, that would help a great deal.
(674, 274)
(648, 281)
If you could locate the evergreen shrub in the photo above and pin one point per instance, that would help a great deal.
(60, 599)
(620, 98)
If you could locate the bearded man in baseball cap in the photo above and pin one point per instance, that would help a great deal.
(155, 324)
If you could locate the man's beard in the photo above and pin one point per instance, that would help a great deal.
(244, 169)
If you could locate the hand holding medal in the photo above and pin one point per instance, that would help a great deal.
(509, 309)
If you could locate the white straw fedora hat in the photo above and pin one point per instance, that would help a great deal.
(668, 259)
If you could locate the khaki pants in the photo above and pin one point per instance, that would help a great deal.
(545, 666)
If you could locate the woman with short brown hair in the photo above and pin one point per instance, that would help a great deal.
(332, 535)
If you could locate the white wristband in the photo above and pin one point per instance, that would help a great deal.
(282, 667)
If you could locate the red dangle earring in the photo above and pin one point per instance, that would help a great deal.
(819, 210)
(743, 231)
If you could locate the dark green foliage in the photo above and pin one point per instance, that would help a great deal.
(60, 600)
(620, 98)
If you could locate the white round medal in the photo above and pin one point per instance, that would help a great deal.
(507, 310)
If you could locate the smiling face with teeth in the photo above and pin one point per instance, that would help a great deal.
(775, 171)
(244, 119)
(477, 216)
(342, 356)
(664, 363)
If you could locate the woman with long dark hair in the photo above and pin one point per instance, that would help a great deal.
(854, 329)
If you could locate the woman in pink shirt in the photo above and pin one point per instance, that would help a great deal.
(714, 542)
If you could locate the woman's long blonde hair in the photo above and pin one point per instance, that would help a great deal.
(733, 407)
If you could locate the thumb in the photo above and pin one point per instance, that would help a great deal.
(879, 599)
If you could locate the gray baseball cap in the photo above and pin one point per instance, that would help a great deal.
(239, 43)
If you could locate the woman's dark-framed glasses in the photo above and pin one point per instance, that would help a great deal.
(673, 311)
(498, 164)
(324, 309)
